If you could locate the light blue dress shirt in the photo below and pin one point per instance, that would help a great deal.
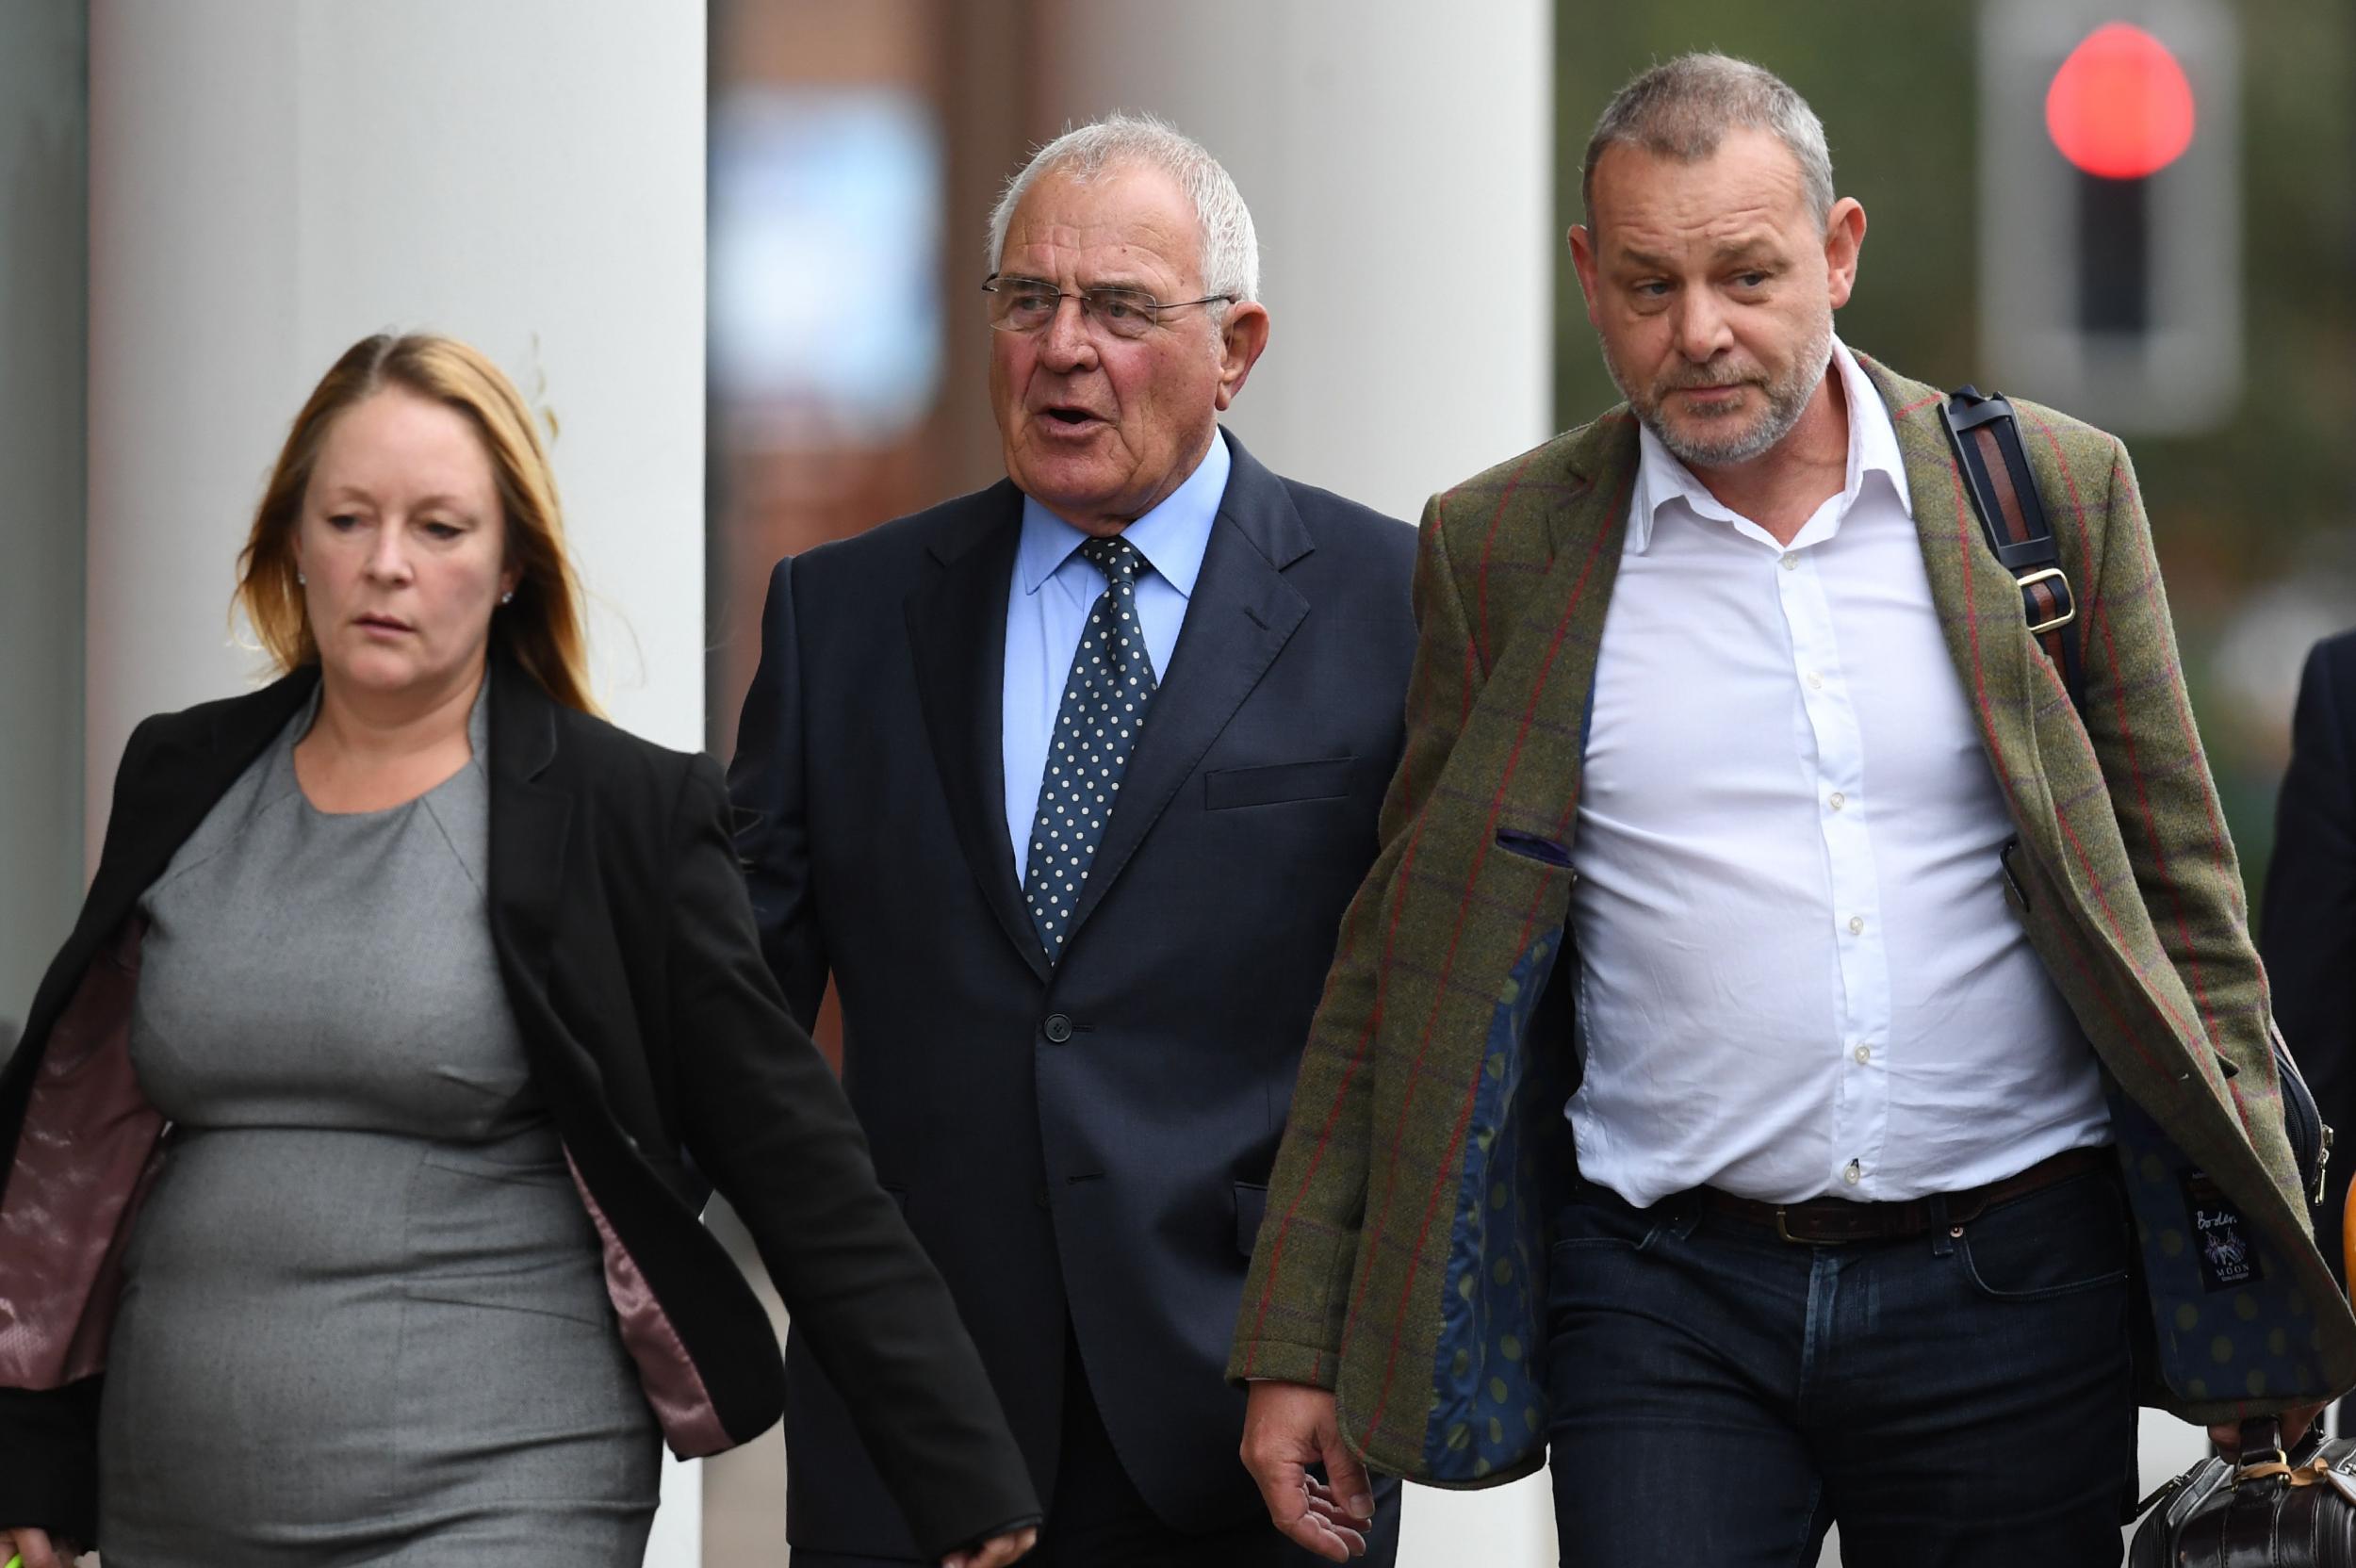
(1047, 605)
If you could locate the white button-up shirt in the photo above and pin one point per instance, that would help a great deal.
(1798, 973)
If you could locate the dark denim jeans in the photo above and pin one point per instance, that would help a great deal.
(1721, 1398)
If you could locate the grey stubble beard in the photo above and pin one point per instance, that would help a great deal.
(1787, 400)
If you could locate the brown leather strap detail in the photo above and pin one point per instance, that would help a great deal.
(1832, 1221)
(1962, 1208)
(2315, 1472)
(2044, 601)
(2009, 512)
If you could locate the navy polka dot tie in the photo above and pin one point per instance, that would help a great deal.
(1096, 728)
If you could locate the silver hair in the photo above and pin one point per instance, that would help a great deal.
(1683, 108)
(1230, 245)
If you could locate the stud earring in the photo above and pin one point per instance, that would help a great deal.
(508, 597)
(301, 581)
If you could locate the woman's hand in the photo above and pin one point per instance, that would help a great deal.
(996, 1552)
(37, 1549)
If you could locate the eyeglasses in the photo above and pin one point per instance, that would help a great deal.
(1026, 304)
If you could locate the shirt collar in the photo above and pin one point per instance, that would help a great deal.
(1173, 538)
(1873, 449)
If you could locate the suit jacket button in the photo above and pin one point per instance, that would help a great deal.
(1038, 1195)
(1059, 1028)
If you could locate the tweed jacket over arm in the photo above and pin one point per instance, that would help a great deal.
(1403, 1259)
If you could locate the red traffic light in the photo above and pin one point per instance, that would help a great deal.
(2120, 106)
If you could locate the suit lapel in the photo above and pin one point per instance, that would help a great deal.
(958, 635)
(528, 825)
(1542, 667)
(1240, 616)
(1601, 466)
(1979, 614)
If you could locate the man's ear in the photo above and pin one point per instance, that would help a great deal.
(1582, 244)
(1243, 337)
(1844, 237)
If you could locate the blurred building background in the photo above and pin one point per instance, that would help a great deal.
(784, 202)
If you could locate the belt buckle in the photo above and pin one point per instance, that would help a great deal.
(1783, 1232)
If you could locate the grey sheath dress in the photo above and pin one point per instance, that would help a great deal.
(364, 1317)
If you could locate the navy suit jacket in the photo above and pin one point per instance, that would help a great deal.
(1088, 1143)
(2308, 935)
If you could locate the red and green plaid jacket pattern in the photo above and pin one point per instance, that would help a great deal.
(1401, 1261)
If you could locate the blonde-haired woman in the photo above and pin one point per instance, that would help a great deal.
(350, 1163)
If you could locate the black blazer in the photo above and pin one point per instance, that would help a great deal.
(2308, 935)
(1086, 1145)
(656, 1035)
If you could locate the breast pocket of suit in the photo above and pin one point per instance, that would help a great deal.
(1277, 783)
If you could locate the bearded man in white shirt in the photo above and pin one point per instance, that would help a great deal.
(1905, 997)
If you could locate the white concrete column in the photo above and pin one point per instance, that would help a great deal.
(44, 163)
(272, 180)
(1399, 162)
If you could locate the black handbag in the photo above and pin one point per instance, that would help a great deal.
(2262, 1508)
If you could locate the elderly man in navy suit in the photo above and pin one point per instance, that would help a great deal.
(1066, 784)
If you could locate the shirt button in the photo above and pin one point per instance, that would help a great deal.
(1059, 1028)
(1857, 926)
(1815, 681)
(1853, 1173)
(1837, 800)
(1791, 562)
(1863, 1054)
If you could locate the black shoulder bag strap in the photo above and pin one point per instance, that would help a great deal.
(1986, 442)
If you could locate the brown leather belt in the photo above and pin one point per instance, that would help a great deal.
(1833, 1221)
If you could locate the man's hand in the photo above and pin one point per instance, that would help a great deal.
(37, 1549)
(2225, 1434)
(1287, 1428)
(996, 1552)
